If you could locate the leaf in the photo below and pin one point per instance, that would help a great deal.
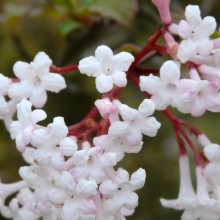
(122, 11)
(68, 26)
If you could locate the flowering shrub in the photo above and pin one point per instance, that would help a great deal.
(72, 172)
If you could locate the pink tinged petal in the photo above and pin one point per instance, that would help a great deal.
(119, 78)
(134, 136)
(86, 188)
(27, 134)
(103, 54)
(38, 115)
(53, 82)
(20, 143)
(122, 176)
(147, 107)
(56, 196)
(169, 72)
(107, 188)
(119, 128)
(137, 179)
(127, 113)
(15, 129)
(88, 207)
(68, 146)
(104, 83)
(193, 15)
(150, 84)
(207, 27)
(90, 66)
(150, 126)
(159, 102)
(105, 107)
(122, 61)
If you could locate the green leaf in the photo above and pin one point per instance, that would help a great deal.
(123, 11)
(68, 26)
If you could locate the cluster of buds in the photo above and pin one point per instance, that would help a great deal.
(71, 170)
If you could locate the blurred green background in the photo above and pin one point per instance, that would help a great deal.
(68, 30)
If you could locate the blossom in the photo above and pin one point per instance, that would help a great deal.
(199, 96)
(108, 69)
(195, 33)
(22, 129)
(92, 163)
(119, 194)
(167, 82)
(186, 192)
(199, 205)
(35, 79)
(135, 122)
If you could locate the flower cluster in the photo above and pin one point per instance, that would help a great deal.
(67, 177)
(72, 172)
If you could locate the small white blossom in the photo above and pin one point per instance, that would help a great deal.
(135, 123)
(195, 32)
(35, 79)
(108, 69)
(118, 194)
(22, 129)
(164, 89)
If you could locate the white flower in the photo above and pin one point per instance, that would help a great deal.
(118, 194)
(115, 144)
(135, 123)
(186, 192)
(199, 96)
(92, 163)
(35, 79)
(164, 89)
(107, 109)
(195, 32)
(108, 69)
(22, 129)
(195, 206)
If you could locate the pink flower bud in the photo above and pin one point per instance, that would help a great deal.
(163, 8)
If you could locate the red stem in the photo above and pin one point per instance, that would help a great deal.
(149, 47)
(64, 69)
